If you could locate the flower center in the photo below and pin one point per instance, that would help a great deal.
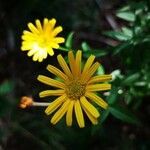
(42, 42)
(75, 89)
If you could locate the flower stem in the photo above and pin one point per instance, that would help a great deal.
(63, 49)
(40, 104)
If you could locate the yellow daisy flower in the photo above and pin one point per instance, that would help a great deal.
(76, 89)
(41, 40)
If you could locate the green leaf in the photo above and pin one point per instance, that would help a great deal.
(85, 47)
(125, 8)
(130, 79)
(89, 51)
(128, 98)
(6, 87)
(138, 29)
(104, 116)
(127, 31)
(121, 47)
(112, 98)
(140, 83)
(118, 35)
(123, 114)
(126, 15)
(69, 40)
(100, 70)
(97, 53)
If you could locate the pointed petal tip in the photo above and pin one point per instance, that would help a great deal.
(82, 126)
(46, 112)
(39, 77)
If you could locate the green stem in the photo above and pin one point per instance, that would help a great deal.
(63, 49)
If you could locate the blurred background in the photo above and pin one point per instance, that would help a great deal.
(118, 33)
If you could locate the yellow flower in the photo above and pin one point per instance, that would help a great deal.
(76, 89)
(41, 40)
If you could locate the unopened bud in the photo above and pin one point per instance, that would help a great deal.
(26, 102)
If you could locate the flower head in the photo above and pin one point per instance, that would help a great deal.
(76, 89)
(41, 39)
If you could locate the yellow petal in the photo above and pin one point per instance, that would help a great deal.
(91, 118)
(88, 64)
(52, 23)
(47, 30)
(35, 56)
(38, 25)
(54, 45)
(51, 82)
(96, 99)
(45, 22)
(25, 32)
(85, 77)
(40, 59)
(51, 93)
(31, 52)
(79, 114)
(69, 113)
(71, 61)
(100, 78)
(28, 38)
(50, 51)
(59, 40)
(98, 87)
(90, 108)
(44, 54)
(57, 72)
(31, 35)
(57, 30)
(78, 62)
(61, 112)
(27, 45)
(55, 104)
(33, 28)
(64, 66)
(23, 48)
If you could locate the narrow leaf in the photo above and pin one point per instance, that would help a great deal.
(97, 53)
(104, 115)
(100, 70)
(123, 114)
(130, 79)
(128, 16)
(118, 35)
(69, 40)
(85, 47)
(113, 97)
(127, 31)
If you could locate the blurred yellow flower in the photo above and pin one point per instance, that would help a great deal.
(41, 40)
(76, 89)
